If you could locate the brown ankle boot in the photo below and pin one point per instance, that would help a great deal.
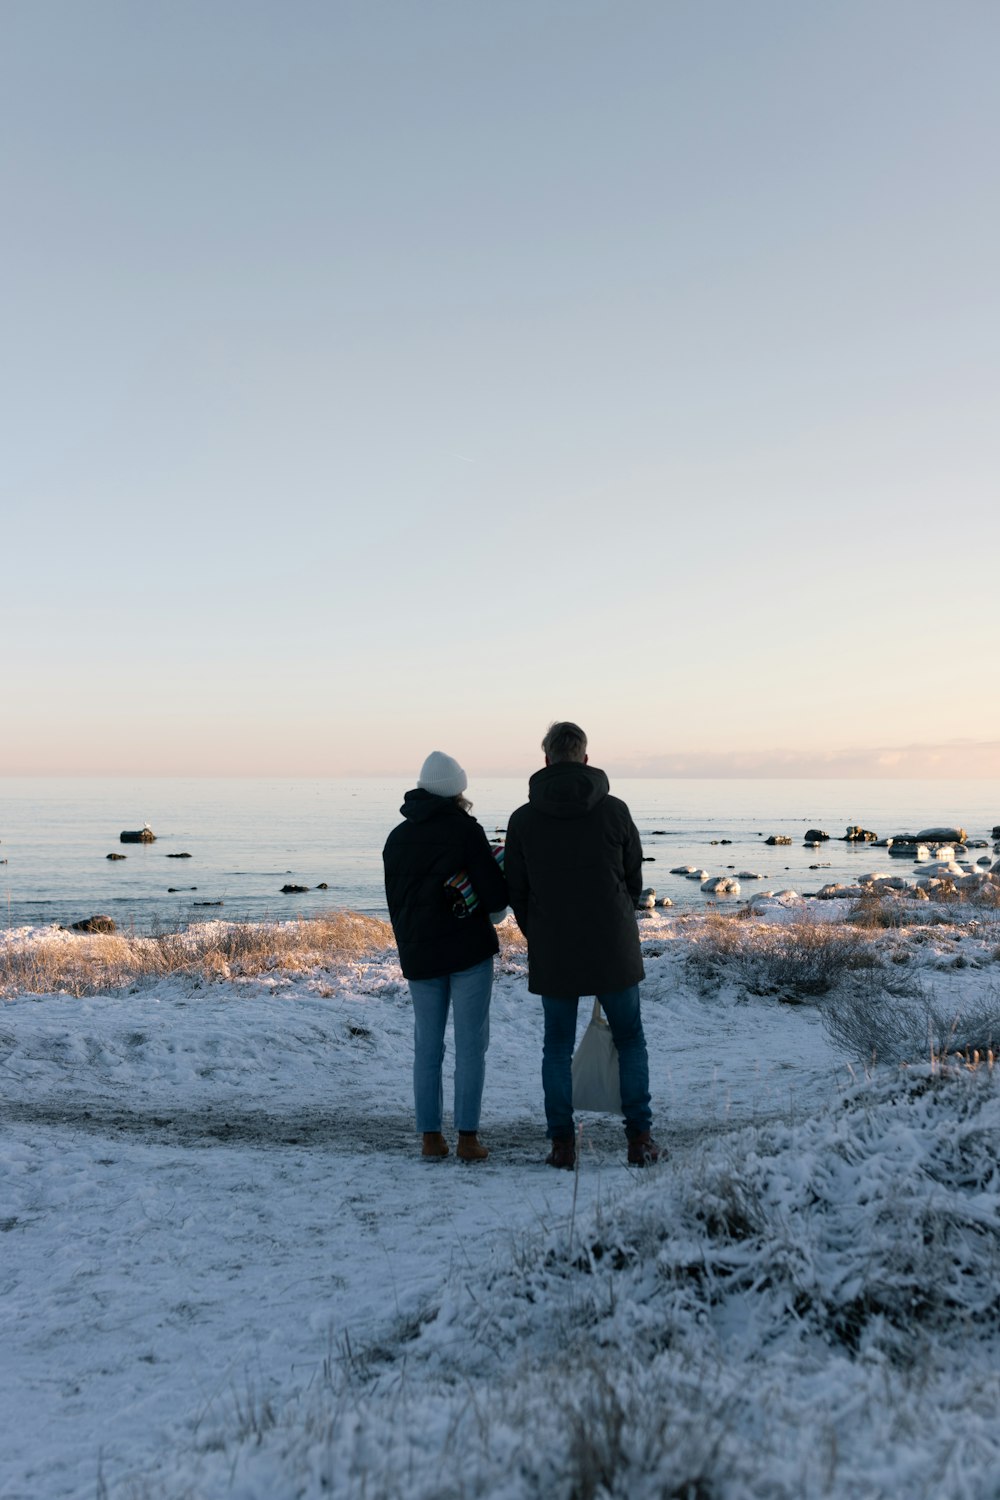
(470, 1147)
(434, 1144)
(563, 1153)
(642, 1150)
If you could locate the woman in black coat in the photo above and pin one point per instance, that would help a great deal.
(442, 881)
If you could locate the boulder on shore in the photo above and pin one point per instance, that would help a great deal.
(878, 881)
(647, 899)
(97, 923)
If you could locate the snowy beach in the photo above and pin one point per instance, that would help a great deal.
(225, 1270)
(487, 402)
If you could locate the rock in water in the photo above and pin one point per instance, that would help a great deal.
(942, 835)
(117, 856)
(144, 835)
(98, 923)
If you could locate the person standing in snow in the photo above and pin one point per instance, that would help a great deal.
(574, 873)
(441, 883)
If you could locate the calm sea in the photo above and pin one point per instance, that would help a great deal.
(247, 838)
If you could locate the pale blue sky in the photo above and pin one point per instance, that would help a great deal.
(384, 377)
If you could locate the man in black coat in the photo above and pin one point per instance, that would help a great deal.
(574, 873)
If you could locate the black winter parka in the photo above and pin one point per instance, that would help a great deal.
(436, 840)
(574, 875)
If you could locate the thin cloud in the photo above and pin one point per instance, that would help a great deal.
(957, 759)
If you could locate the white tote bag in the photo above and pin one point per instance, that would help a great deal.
(595, 1068)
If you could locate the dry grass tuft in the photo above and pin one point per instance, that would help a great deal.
(875, 909)
(876, 1025)
(793, 961)
(68, 963)
(513, 943)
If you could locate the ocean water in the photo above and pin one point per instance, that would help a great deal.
(247, 838)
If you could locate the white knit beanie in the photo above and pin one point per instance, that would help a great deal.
(442, 775)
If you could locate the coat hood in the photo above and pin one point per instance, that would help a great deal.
(567, 790)
(419, 805)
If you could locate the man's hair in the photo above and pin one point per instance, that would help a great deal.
(565, 741)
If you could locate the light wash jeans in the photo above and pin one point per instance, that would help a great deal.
(468, 992)
(625, 1019)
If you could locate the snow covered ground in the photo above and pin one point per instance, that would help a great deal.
(225, 1271)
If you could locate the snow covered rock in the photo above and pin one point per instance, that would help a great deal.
(721, 885)
(944, 867)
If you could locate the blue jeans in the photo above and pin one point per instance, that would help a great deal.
(622, 1010)
(468, 992)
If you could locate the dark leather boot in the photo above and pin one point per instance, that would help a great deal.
(642, 1150)
(563, 1153)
